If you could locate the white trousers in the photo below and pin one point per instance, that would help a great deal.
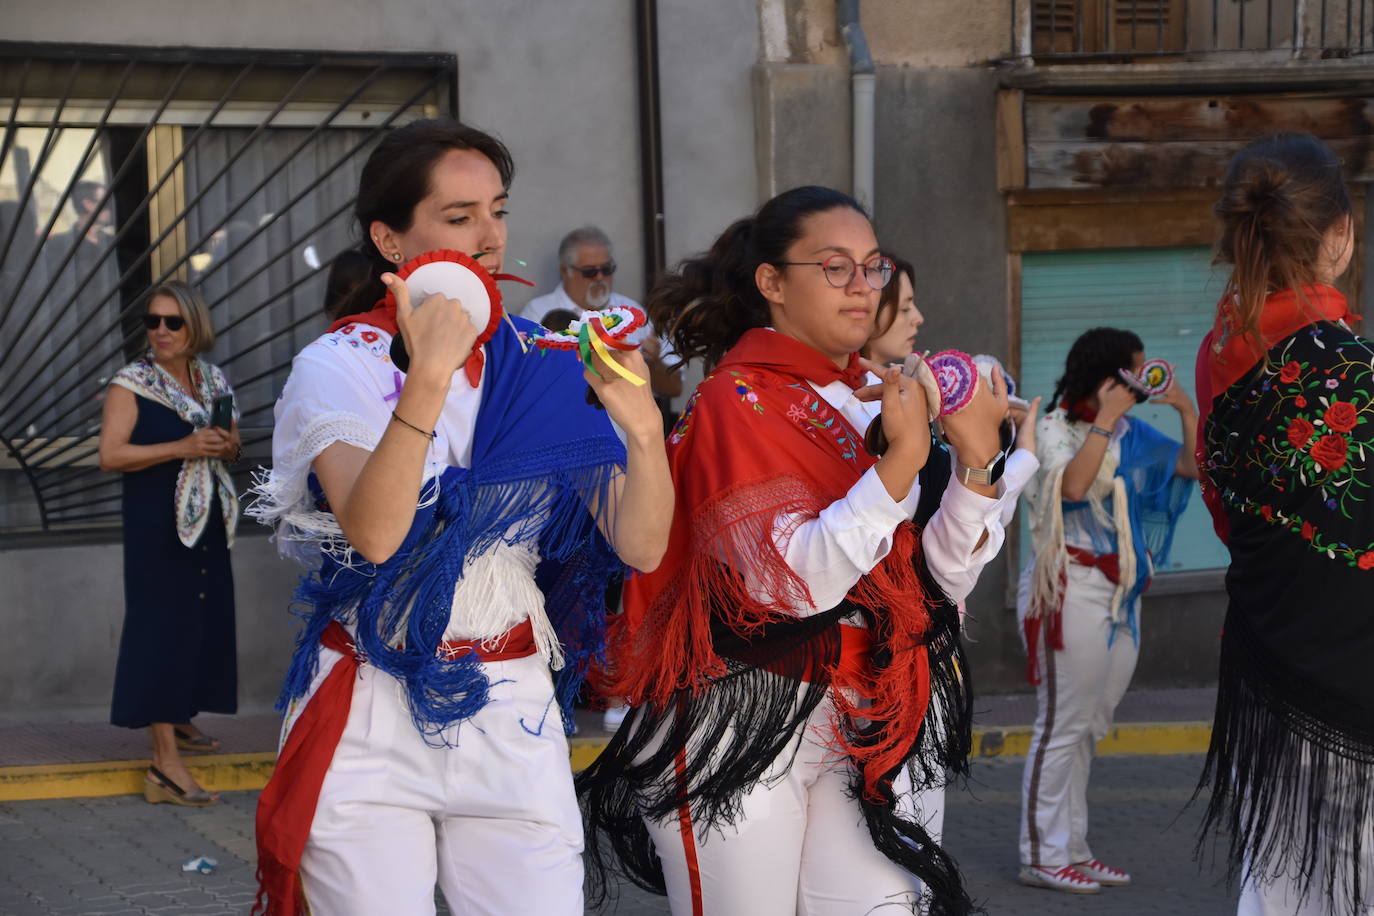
(493, 820)
(1080, 687)
(801, 847)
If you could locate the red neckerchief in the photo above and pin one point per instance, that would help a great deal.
(1284, 314)
(1085, 410)
(757, 445)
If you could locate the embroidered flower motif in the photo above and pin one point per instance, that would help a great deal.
(1330, 451)
(1267, 512)
(1300, 401)
(1308, 531)
(1300, 433)
(684, 422)
(1290, 372)
(1366, 560)
(348, 328)
(1332, 383)
(370, 336)
(746, 392)
(1341, 416)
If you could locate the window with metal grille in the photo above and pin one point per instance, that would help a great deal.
(123, 168)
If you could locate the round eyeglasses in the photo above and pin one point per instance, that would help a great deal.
(839, 270)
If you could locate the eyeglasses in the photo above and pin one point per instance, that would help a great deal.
(839, 270)
(589, 273)
(173, 322)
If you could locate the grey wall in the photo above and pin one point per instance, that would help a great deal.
(63, 609)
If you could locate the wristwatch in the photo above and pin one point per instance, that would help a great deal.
(983, 476)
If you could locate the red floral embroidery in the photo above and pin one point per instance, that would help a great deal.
(1290, 371)
(1341, 416)
(1300, 433)
(1267, 512)
(1300, 401)
(369, 336)
(1366, 560)
(1308, 531)
(1330, 451)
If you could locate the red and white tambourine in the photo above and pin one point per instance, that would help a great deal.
(622, 328)
(454, 275)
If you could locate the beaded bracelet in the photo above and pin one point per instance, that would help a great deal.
(1092, 429)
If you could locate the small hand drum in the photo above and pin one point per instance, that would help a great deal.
(453, 275)
(622, 328)
(950, 380)
(1153, 379)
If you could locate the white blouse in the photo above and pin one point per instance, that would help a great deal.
(342, 388)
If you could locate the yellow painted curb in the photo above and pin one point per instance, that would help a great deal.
(238, 772)
(217, 772)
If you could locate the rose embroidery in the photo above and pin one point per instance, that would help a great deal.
(1341, 416)
(1366, 560)
(1308, 531)
(1300, 433)
(1330, 451)
(1290, 372)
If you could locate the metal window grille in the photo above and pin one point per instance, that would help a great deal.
(1097, 29)
(122, 168)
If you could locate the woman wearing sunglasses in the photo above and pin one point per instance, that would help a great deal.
(781, 659)
(176, 655)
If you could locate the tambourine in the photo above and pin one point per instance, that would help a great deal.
(950, 379)
(1153, 379)
(453, 275)
(622, 328)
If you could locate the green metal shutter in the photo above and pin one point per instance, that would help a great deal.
(1165, 295)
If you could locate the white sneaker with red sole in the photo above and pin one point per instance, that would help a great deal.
(1103, 874)
(1068, 879)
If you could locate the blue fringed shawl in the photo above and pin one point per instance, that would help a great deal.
(541, 457)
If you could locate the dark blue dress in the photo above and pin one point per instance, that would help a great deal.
(177, 654)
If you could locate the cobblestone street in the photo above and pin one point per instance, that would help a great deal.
(121, 856)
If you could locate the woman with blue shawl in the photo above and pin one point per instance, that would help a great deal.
(1103, 509)
(463, 509)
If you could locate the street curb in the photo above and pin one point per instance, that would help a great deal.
(239, 772)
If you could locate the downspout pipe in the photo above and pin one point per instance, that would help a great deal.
(650, 141)
(862, 80)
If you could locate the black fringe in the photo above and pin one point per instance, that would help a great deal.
(733, 733)
(1294, 790)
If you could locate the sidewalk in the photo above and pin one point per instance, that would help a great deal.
(46, 760)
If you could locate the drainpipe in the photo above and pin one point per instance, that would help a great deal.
(861, 87)
(650, 140)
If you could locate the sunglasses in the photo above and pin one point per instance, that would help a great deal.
(173, 322)
(589, 273)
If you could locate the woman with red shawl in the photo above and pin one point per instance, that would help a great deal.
(781, 660)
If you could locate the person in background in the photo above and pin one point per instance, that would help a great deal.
(898, 320)
(349, 272)
(176, 653)
(1103, 509)
(586, 271)
(1285, 389)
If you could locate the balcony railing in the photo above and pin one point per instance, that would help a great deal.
(1107, 29)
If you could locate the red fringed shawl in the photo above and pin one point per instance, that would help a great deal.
(757, 450)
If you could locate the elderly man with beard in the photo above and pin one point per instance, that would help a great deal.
(586, 269)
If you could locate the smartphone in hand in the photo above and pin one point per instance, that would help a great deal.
(222, 412)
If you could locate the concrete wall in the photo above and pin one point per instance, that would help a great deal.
(64, 610)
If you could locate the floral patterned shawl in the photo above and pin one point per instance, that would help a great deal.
(198, 476)
(1287, 454)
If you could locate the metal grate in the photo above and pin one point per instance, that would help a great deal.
(1067, 29)
(123, 168)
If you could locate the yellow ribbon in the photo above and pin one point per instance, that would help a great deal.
(611, 361)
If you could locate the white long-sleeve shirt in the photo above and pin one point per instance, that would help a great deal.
(853, 534)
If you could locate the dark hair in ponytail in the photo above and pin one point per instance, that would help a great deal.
(1281, 194)
(1095, 356)
(708, 303)
(395, 179)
